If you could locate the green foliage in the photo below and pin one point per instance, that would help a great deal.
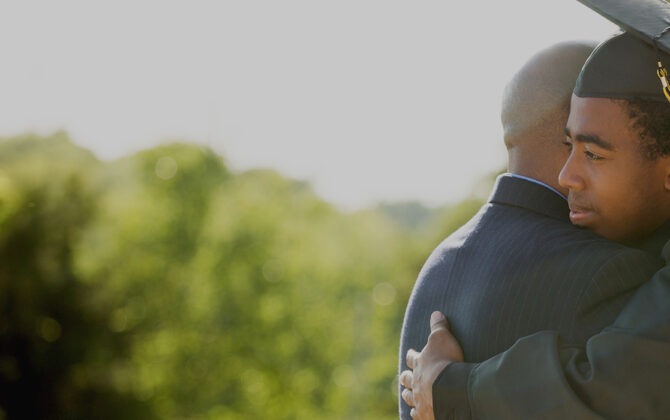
(54, 357)
(163, 285)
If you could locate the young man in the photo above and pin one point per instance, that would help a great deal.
(618, 174)
(519, 266)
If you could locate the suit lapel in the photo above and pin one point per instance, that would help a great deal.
(517, 192)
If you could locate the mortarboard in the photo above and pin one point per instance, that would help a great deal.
(630, 65)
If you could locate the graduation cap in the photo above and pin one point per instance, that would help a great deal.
(630, 65)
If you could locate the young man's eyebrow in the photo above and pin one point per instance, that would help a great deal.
(590, 138)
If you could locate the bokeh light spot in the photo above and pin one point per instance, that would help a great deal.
(118, 322)
(343, 376)
(256, 387)
(9, 369)
(166, 167)
(50, 329)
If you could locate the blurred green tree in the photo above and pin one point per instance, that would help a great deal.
(55, 360)
(163, 285)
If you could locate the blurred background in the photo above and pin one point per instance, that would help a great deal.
(217, 209)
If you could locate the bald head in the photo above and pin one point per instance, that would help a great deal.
(535, 108)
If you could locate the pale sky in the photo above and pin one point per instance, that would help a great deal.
(367, 100)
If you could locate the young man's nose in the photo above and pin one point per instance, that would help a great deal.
(570, 176)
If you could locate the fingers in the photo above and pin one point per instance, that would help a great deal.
(413, 413)
(408, 396)
(438, 322)
(406, 379)
(411, 358)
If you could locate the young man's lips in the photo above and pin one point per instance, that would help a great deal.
(579, 214)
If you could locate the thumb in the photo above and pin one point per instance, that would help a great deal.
(438, 322)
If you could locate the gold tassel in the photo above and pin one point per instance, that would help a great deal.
(662, 74)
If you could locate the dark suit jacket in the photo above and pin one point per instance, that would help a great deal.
(622, 373)
(519, 267)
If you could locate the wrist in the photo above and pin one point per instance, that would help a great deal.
(450, 391)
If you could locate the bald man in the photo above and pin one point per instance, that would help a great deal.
(519, 266)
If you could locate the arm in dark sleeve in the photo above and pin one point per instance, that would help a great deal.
(623, 372)
(450, 392)
(511, 385)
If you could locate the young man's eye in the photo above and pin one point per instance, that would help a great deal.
(592, 156)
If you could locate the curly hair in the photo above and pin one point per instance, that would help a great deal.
(652, 121)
